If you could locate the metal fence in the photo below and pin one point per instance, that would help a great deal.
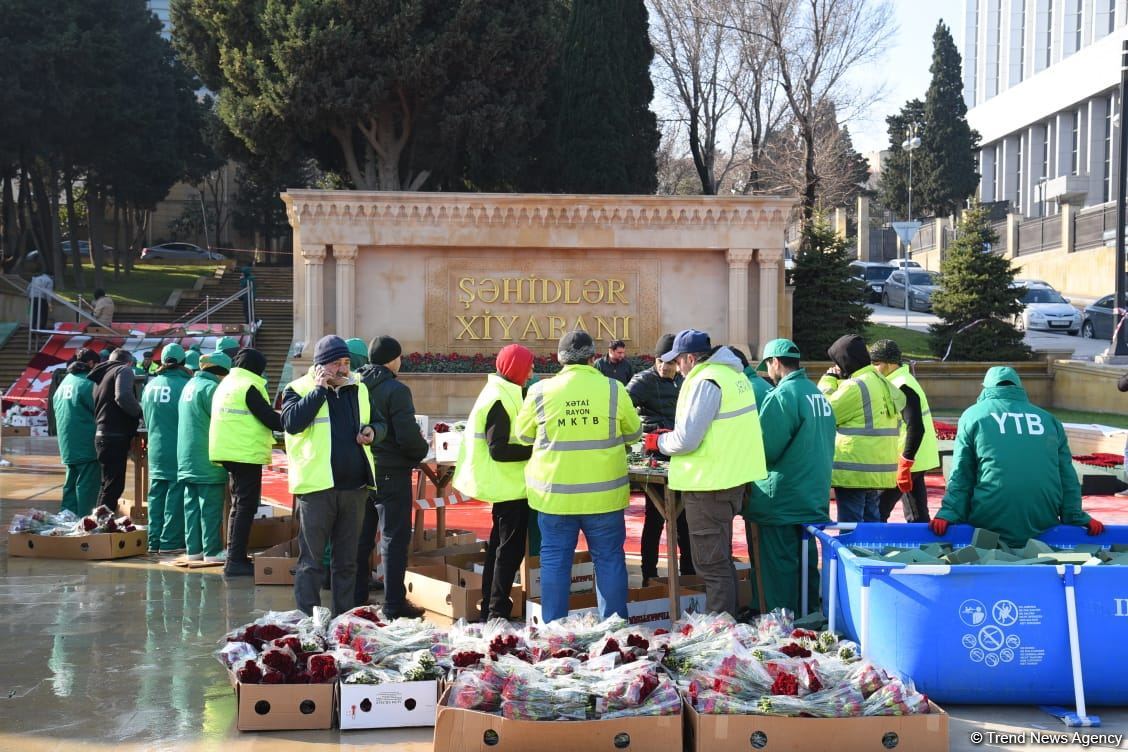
(1000, 246)
(926, 237)
(1039, 234)
(1090, 227)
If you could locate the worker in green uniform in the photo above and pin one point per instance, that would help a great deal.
(760, 385)
(799, 429)
(192, 358)
(73, 404)
(1012, 468)
(160, 406)
(358, 353)
(202, 479)
(229, 346)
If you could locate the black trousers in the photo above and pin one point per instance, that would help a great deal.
(113, 455)
(394, 497)
(504, 553)
(246, 495)
(915, 501)
(652, 528)
(364, 547)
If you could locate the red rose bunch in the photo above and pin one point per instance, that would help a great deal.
(785, 684)
(795, 650)
(466, 658)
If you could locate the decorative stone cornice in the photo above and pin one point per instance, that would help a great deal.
(769, 256)
(306, 207)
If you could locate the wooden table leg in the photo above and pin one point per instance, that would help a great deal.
(671, 513)
(752, 532)
(417, 533)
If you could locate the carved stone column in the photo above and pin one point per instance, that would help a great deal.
(314, 257)
(768, 259)
(345, 256)
(738, 260)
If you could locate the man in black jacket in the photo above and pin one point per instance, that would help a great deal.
(331, 509)
(614, 364)
(654, 393)
(116, 415)
(396, 456)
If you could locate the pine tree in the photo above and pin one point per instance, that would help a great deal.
(606, 134)
(828, 298)
(975, 302)
(895, 170)
(947, 154)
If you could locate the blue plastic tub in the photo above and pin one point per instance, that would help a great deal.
(984, 634)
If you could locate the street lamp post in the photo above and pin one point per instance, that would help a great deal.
(910, 145)
(1119, 345)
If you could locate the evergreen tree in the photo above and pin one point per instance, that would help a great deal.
(975, 302)
(895, 172)
(947, 154)
(828, 298)
(606, 134)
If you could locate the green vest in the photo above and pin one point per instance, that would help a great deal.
(74, 415)
(194, 410)
(160, 405)
(867, 412)
(235, 434)
(732, 451)
(309, 451)
(477, 475)
(579, 463)
(928, 455)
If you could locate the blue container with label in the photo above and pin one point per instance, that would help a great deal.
(983, 634)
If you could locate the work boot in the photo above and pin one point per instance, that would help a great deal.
(406, 611)
(236, 568)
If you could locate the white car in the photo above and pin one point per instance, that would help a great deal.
(179, 252)
(1044, 309)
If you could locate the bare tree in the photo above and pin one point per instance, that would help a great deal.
(703, 71)
(815, 45)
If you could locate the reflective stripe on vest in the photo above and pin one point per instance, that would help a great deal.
(579, 465)
(865, 456)
(309, 452)
(477, 474)
(732, 451)
(235, 434)
(928, 453)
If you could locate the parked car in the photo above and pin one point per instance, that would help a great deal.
(1097, 319)
(1044, 309)
(902, 263)
(180, 252)
(874, 275)
(83, 249)
(921, 286)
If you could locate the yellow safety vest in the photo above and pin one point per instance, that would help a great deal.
(235, 435)
(477, 474)
(928, 455)
(578, 422)
(867, 444)
(732, 451)
(308, 453)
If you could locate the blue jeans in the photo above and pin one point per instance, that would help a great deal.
(606, 535)
(857, 505)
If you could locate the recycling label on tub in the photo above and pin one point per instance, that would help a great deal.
(995, 632)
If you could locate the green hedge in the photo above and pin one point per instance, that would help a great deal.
(481, 363)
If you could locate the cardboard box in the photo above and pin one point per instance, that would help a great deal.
(271, 531)
(424, 423)
(97, 546)
(696, 582)
(583, 574)
(446, 445)
(283, 707)
(459, 730)
(447, 590)
(275, 565)
(648, 605)
(730, 733)
(453, 538)
(16, 431)
(389, 705)
(39, 431)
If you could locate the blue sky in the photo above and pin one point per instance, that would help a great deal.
(908, 55)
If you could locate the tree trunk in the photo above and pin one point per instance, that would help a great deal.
(128, 240)
(810, 177)
(39, 205)
(115, 230)
(72, 230)
(8, 216)
(95, 209)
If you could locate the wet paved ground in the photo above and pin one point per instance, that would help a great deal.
(118, 655)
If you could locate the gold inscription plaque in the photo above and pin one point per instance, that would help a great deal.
(480, 305)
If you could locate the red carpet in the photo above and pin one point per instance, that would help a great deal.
(475, 515)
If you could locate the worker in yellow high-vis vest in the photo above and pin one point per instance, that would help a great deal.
(867, 415)
(919, 449)
(491, 468)
(716, 449)
(578, 423)
(240, 439)
(326, 415)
